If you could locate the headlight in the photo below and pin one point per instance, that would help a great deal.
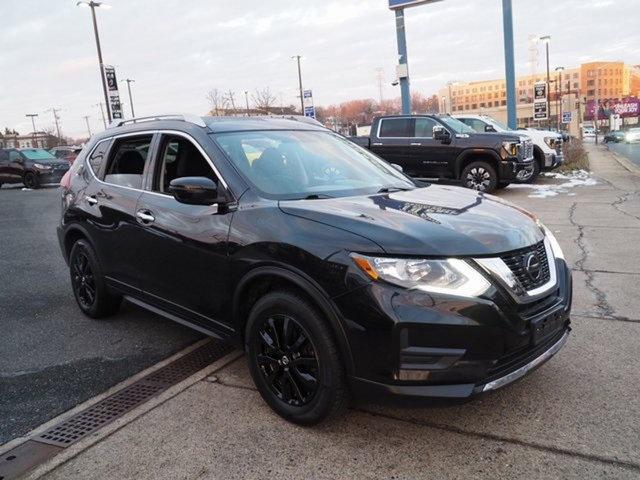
(555, 246)
(451, 276)
(550, 141)
(40, 166)
(511, 148)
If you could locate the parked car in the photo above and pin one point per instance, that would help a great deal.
(442, 147)
(632, 135)
(338, 274)
(547, 145)
(32, 167)
(68, 153)
(588, 132)
(615, 136)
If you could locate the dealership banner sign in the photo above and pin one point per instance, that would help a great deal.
(112, 90)
(625, 107)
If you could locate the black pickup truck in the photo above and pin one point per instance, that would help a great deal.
(442, 147)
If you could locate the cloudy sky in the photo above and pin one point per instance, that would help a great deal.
(177, 50)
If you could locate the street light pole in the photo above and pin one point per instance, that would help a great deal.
(129, 81)
(33, 122)
(86, 119)
(297, 57)
(405, 93)
(246, 99)
(509, 63)
(93, 4)
(559, 71)
(547, 39)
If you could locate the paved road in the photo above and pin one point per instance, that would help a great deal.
(51, 356)
(628, 150)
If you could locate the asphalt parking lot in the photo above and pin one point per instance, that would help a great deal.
(52, 356)
(575, 417)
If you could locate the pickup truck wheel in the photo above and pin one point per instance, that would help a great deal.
(531, 174)
(30, 180)
(479, 176)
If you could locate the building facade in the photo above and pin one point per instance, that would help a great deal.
(569, 90)
(31, 140)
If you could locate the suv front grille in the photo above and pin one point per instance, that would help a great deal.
(519, 261)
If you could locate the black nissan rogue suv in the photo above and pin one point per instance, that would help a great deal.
(339, 276)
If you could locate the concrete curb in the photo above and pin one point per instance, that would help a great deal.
(624, 162)
(86, 443)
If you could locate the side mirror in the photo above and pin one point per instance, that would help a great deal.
(397, 167)
(195, 190)
(441, 134)
(489, 128)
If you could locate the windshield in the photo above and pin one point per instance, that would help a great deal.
(500, 127)
(456, 125)
(314, 164)
(38, 154)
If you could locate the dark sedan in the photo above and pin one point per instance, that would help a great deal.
(615, 136)
(33, 167)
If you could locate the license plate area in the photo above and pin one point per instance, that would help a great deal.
(542, 328)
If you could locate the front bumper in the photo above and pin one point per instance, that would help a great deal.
(553, 160)
(512, 169)
(420, 346)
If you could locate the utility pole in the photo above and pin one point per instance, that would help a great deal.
(380, 78)
(86, 119)
(246, 99)
(55, 119)
(104, 120)
(33, 122)
(403, 62)
(509, 64)
(93, 4)
(547, 39)
(129, 81)
(558, 96)
(297, 57)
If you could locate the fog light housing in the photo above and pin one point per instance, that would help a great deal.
(407, 375)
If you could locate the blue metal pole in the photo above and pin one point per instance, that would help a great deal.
(509, 67)
(402, 54)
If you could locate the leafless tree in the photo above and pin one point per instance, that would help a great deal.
(216, 101)
(264, 99)
(230, 101)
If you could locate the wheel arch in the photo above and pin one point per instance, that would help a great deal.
(263, 279)
(72, 234)
(477, 155)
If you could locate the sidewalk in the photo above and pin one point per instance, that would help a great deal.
(576, 417)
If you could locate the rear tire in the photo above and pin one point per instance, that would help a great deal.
(30, 180)
(88, 283)
(294, 360)
(479, 176)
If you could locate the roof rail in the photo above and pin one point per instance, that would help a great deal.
(298, 118)
(183, 117)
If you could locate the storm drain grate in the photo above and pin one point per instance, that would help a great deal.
(116, 405)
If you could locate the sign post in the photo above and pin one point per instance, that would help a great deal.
(540, 111)
(307, 101)
(115, 107)
(403, 63)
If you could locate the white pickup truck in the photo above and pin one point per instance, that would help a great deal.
(547, 145)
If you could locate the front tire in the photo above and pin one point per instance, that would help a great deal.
(480, 176)
(88, 283)
(294, 360)
(30, 180)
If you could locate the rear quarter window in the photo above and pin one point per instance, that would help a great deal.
(98, 155)
(396, 127)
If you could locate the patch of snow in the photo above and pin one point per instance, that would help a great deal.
(25, 189)
(577, 178)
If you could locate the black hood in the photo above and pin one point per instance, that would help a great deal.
(433, 220)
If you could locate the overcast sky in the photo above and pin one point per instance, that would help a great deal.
(177, 50)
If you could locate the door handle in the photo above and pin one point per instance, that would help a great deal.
(376, 144)
(91, 200)
(415, 144)
(145, 216)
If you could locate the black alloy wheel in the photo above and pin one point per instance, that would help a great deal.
(294, 360)
(480, 176)
(288, 360)
(84, 283)
(87, 281)
(30, 180)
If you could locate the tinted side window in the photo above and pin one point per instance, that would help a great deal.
(97, 157)
(396, 127)
(127, 160)
(424, 127)
(178, 157)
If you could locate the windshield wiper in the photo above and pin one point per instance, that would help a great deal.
(316, 196)
(393, 189)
